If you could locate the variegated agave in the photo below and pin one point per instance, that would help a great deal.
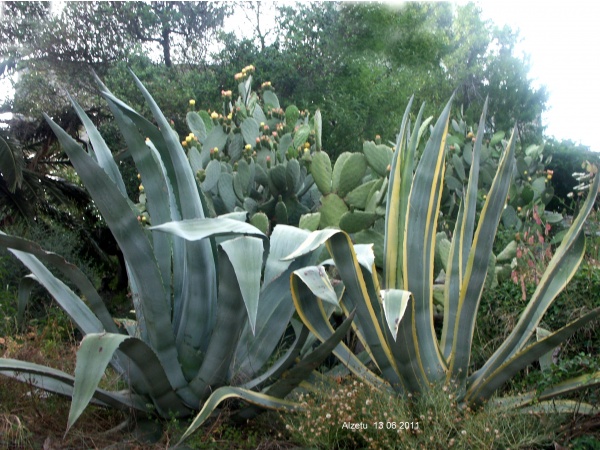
(395, 321)
(211, 295)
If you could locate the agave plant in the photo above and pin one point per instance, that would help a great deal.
(394, 322)
(211, 296)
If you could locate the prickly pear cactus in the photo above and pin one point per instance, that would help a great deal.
(252, 155)
(353, 188)
(531, 185)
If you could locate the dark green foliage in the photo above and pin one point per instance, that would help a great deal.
(359, 62)
(567, 158)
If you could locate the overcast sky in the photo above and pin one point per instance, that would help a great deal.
(563, 41)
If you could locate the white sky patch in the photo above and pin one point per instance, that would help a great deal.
(563, 42)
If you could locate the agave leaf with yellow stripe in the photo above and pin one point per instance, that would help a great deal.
(401, 340)
(475, 271)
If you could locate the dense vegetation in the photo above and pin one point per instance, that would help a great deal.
(149, 200)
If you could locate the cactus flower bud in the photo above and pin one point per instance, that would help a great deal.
(141, 188)
(184, 143)
(139, 176)
(192, 102)
(214, 115)
(139, 218)
(268, 162)
(248, 147)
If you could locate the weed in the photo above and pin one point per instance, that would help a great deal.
(354, 415)
(13, 434)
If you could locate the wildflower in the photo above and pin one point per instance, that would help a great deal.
(192, 102)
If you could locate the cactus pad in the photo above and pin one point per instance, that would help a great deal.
(320, 169)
